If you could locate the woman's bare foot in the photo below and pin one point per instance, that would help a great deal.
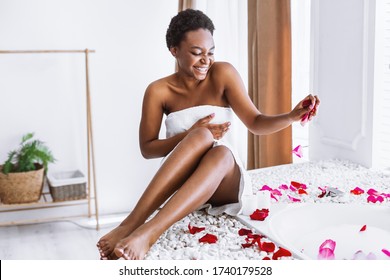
(136, 245)
(107, 243)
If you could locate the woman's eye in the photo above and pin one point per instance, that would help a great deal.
(197, 54)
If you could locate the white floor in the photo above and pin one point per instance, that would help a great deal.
(64, 240)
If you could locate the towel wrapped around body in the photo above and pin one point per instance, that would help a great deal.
(180, 121)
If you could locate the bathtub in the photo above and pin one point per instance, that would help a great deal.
(303, 227)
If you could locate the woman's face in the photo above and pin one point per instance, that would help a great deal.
(195, 54)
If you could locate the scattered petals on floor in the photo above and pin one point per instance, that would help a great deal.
(193, 229)
(357, 191)
(281, 252)
(244, 231)
(178, 243)
(293, 199)
(208, 238)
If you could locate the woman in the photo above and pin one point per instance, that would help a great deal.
(200, 165)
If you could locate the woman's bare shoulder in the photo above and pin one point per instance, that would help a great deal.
(223, 70)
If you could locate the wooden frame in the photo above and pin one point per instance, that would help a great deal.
(90, 153)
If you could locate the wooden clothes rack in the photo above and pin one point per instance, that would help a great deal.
(90, 149)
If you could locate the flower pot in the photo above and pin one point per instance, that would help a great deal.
(21, 187)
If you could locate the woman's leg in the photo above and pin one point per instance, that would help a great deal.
(171, 175)
(216, 179)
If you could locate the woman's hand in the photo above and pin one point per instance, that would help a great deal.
(218, 130)
(309, 105)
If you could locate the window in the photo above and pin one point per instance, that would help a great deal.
(381, 133)
(300, 41)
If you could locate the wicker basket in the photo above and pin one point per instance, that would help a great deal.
(69, 185)
(21, 187)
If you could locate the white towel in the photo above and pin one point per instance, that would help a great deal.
(182, 120)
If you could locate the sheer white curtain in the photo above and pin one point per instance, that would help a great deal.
(231, 45)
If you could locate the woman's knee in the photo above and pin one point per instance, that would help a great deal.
(201, 137)
(222, 155)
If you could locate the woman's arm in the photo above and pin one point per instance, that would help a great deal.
(152, 113)
(256, 122)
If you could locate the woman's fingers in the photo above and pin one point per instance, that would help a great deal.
(219, 130)
(206, 119)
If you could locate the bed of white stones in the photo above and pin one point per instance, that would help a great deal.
(177, 243)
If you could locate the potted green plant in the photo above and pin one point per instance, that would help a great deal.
(22, 174)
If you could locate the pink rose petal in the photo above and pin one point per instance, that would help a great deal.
(265, 188)
(305, 119)
(276, 192)
(373, 192)
(371, 198)
(374, 199)
(360, 255)
(274, 198)
(298, 151)
(293, 199)
(386, 252)
(326, 250)
(283, 187)
(371, 256)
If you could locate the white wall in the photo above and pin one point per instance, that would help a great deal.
(46, 93)
(343, 57)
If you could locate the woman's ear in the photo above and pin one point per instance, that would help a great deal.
(173, 51)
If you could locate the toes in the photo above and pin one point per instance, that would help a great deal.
(118, 252)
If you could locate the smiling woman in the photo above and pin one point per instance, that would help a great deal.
(201, 167)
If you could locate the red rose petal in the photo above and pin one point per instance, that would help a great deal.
(267, 246)
(363, 228)
(259, 215)
(298, 185)
(194, 230)
(357, 191)
(302, 191)
(208, 238)
(281, 253)
(266, 259)
(244, 231)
